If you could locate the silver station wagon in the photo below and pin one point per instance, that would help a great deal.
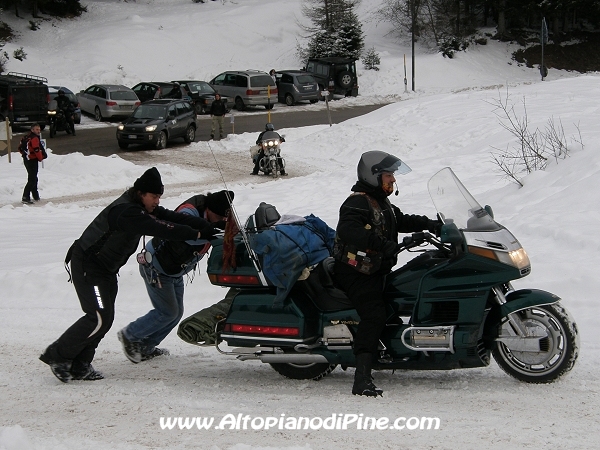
(108, 100)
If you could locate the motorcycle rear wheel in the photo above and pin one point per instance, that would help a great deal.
(313, 371)
(559, 346)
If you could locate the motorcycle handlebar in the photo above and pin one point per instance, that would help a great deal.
(416, 239)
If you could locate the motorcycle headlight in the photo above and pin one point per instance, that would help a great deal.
(51, 113)
(517, 258)
(120, 127)
(151, 127)
(276, 143)
(271, 143)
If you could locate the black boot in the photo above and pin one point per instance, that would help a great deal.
(85, 371)
(60, 367)
(363, 382)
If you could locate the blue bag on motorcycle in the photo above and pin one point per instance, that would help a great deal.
(287, 250)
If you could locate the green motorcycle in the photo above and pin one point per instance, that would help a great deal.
(451, 307)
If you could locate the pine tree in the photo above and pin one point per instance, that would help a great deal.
(335, 29)
(350, 40)
(371, 59)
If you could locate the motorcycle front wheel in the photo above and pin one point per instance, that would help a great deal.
(52, 130)
(313, 371)
(273, 166)
(558, 341)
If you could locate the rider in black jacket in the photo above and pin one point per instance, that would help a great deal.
(64, 104)
(365, 252)
(261, 152)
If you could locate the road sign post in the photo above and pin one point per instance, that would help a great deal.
(5, 137)
(325, 94)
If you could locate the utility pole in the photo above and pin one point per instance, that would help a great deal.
(414, 21)
(543, 40)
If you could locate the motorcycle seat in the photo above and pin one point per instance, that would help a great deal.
(320, 288)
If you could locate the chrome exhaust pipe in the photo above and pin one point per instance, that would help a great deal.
(293, 359)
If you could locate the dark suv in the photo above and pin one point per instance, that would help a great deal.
(24, 99)
(336, 74)
(157, 121)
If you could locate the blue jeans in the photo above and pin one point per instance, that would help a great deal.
(167, 300)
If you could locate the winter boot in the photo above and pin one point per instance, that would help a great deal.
(60, 367)
(85, 371)
(154, 353)
(131, 349)
(363, 382)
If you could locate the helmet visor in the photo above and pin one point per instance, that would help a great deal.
(390, 164)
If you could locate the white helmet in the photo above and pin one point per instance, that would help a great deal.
(372, 164)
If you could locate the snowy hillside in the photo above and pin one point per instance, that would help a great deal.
(449, 121)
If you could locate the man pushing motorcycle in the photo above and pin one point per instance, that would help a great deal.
(366, 248)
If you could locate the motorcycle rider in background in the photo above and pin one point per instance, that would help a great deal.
(66, 106)
(261, 152)
(369, 225)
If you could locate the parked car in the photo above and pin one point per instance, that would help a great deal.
(336, 74)
(202, 95)
(157, 121)
(246, 88)
(108, 100)
(53, 91)
(157, 89)
(296, 85)
(23, 99)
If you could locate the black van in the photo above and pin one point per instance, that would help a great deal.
(24, 99)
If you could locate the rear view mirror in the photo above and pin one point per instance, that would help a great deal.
(488, 209)
(450, 234)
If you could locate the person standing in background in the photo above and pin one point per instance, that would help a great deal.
(32, 150)
(218, 109)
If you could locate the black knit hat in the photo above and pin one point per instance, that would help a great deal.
(150, 182)
(218, 202)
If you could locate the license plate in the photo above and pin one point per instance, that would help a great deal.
(132, 136)
(126, 106)
(22, 119)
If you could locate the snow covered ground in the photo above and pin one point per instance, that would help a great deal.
(449, 121)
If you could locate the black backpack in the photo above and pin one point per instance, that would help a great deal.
(23, 145)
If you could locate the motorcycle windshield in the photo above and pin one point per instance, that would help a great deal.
(456, 205)
(270, 135)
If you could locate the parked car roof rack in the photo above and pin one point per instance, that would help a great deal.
(27, 76)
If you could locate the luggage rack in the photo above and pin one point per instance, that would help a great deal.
(27, 76)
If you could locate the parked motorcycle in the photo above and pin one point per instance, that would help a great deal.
(269, 152)
(57, 119)
(452, 306)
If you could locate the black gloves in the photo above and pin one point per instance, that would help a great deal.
(435, 226)
(208, 231)
(221, 224)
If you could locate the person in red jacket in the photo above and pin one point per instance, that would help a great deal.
(32, 150)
